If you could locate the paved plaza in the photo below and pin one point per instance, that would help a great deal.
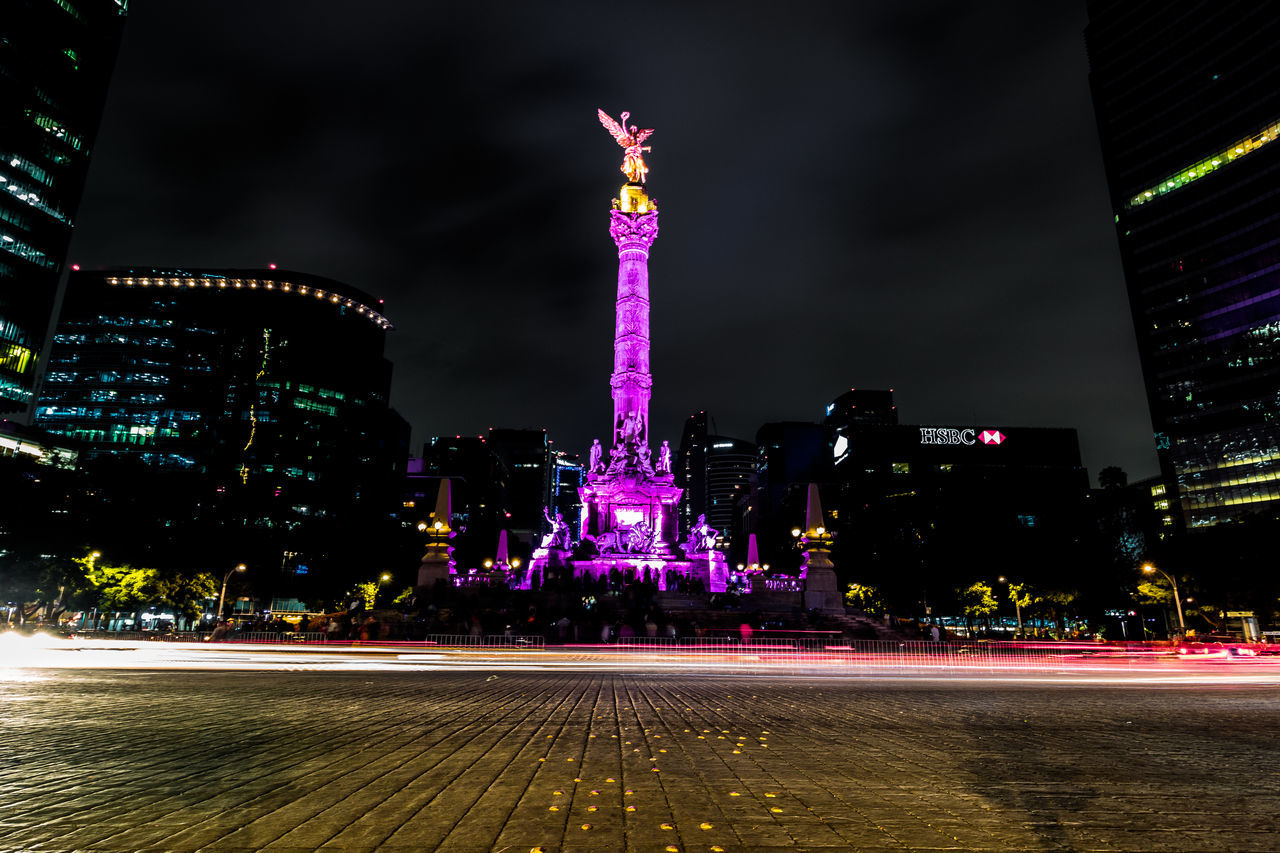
(474, 760)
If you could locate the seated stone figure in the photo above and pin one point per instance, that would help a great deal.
(559, 535)
(702, 537)
(645, 457)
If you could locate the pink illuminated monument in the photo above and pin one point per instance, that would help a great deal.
(629, 500)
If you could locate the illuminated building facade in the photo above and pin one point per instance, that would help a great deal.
(922, 506)
(37, 447)
(715, 472)
(731, 470)
(478, 481)
(38, 486)
(253, 399)
(55, 64)
(1188, 108)
(495, 481)
(921, 510)
(567, 478)
(789, 455)
(527, 457)
(690, 468)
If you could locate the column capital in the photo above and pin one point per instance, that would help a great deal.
(633, 230)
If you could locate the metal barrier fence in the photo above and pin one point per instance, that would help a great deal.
(493, 641)
(878, 656)
(459, 641)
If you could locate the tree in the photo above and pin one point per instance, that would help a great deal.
(1022, 597)
(367, 591)
(133, 589)
(48, 585)
(1113, 477)
(1055, 603)
(865, 598)
(977, 600)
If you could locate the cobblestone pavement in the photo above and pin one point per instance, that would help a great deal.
(301, 761)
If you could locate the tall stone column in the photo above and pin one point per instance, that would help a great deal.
(634, 227)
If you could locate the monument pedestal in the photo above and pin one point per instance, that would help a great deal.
(820, 590)
(431, 571)
(544, 563)
(711, 568)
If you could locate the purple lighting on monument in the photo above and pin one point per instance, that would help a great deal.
(629, 500)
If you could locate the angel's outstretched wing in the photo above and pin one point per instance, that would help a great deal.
(641, 136)
(616, 130)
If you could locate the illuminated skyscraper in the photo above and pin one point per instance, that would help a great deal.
(1188, 105)
(55, 64)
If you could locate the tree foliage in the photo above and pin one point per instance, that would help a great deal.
(53, 585)
(978, 600)
(1113, 477)
(865, 598)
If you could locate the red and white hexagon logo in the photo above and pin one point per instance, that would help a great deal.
(992, 436)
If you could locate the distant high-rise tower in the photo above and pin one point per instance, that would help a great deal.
(731, 468)
(1188, 106)
(714, 471)
(55, 64)
(690, 469)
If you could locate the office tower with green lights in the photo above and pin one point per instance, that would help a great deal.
(56, 58)
(1187, 98)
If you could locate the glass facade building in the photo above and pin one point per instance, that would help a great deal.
(715, 472)
(258, 398)
(921, 506)
(567, 479)
(55, 65)
(731, 471)
(1188, 107)
(690, 469)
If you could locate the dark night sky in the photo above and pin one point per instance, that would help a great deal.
(904, 195)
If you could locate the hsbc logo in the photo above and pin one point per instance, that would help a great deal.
(953, 435)
(945, 435)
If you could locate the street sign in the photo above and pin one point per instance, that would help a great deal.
(1239, 613)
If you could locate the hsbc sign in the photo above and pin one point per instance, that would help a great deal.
(954, 435)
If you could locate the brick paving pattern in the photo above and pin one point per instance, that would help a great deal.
(300, 761)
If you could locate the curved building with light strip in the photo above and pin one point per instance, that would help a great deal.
(268, 388)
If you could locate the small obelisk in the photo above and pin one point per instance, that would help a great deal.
(818, 572)
(435, 563)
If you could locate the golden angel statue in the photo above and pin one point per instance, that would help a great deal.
(629, 138)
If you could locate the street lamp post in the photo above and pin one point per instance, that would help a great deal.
(1177, 598)
(84, 618)
(222, 595)
(1017, 605)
